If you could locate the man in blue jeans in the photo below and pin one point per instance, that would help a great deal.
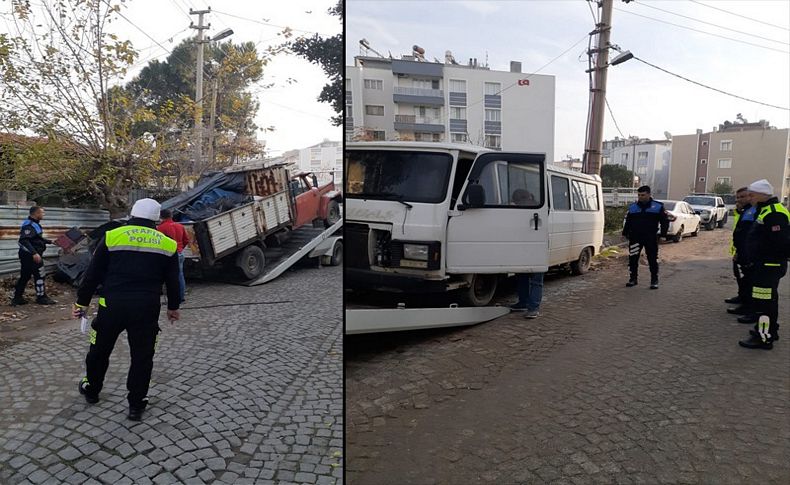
(530, 293)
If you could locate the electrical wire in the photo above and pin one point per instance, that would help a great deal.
(739, 15)
(711, 23)
(709, 87)
(702, 31)
(613, 118)
(271, 25)
(250, 303)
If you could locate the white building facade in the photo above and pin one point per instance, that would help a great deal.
(403, 99)
(648, 159)
(325, 158)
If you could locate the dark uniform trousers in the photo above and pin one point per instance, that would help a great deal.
(29, 268)
(651, 250)
(744, 277)
(765, 294)
(140, 320)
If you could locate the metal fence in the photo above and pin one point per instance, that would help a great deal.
(56, 222)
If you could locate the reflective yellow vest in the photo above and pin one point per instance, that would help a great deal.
(140, 239)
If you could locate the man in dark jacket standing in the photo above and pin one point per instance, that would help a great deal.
(642, 223)
(745, 215)
(32, 245)
(131, 263)
(767, 248)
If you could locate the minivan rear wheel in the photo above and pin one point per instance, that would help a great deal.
(582, 265)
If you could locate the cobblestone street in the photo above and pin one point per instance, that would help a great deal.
(246, 393)
(610, 385)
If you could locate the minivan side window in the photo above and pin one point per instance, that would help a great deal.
(560, 193)
(585, 196)
(508, 183)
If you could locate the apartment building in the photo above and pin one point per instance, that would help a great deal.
(737, 154)
(648, 159)
(325, 157)
(411, 99)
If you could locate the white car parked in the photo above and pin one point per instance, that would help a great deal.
(685, 223)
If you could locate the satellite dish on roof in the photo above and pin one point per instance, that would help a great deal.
(667, 135)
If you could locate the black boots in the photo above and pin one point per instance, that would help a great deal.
(654, 283)
(83, 387)
(631, 282)
(18, 300)
(45, 300)
(756, 343)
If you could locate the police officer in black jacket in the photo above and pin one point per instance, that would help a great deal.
(32, 245)
(642, 223)
(768, 247)
(744, 218)
(130, 263)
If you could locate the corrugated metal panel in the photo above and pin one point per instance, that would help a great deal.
(56, 222)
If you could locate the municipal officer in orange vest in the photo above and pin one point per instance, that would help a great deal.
(131, 263)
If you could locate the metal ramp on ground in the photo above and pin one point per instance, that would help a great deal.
(298, 245)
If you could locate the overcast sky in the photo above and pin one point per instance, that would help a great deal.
(645, 102)
(299, 119)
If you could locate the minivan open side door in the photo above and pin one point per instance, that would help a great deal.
(499, 225)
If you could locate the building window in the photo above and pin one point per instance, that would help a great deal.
(493, 141)
(458, 137)
(726, 146)
(348, 84)
(493, 89)
(725, 163)
(349, 111)
(377, 84)
(624, 157)
(457, 85)
(605, 160)
(377, 135)
(425, 83)
(641, 155)
(457, 113)
(374, 110)
(493, 115)
(724, 180)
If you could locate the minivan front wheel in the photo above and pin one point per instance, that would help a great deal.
(481, 290)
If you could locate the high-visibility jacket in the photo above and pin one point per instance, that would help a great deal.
(131, 263)
(743, 220)
(768, 240)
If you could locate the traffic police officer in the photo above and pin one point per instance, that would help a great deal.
(642, 222)
(768, 247)
(32, 245)
(744, 217)
(131, 263)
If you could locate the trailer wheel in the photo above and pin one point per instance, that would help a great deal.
(481, 290)
(582, 265)
(332, 213)
(337, 254)
(251, 261)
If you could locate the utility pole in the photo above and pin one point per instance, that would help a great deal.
(594, 142)
(199, 87)
(211, 154)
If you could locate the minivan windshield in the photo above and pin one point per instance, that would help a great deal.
(405, 176)
(701, 201)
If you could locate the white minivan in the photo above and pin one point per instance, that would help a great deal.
(435, 217)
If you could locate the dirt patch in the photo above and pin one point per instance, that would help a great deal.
(20, 323)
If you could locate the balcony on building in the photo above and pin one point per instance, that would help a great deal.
(421, 96)
(418, 123)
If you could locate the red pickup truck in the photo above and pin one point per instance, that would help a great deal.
(315, 201)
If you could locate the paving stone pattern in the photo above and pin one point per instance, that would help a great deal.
(611, 385)
(240, 394)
